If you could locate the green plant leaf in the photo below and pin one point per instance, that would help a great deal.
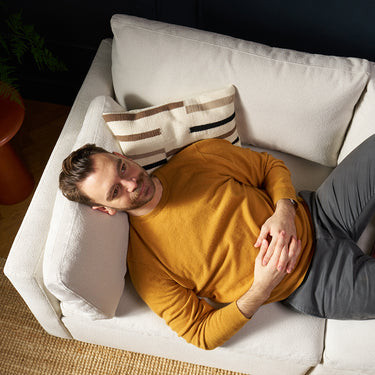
(7, 72)
(11, 93)
(18, 39)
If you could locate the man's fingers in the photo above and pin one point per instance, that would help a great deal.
(274, 249)
(282, 253)
(294, 252)
(277, 244)
(262, 251)
(262, 236)
(283, 260)
(269, 253)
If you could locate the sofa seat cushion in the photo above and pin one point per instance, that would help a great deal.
(270, 343)
(350, 346)
(84, 261)
(290, 101)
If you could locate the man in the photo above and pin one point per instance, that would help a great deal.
(224, 222)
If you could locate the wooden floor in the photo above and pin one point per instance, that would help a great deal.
(34, 143)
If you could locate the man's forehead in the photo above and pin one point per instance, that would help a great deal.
(99, 181)
(102, 158)
(100, 164)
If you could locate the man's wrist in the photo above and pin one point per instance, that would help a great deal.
(287, 202)
(250, 302)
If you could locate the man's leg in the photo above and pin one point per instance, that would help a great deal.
(347, 196)
(340, 283)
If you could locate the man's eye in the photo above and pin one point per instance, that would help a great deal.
(115, 192)
(123, 169)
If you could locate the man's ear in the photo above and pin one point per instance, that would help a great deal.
(106, 210)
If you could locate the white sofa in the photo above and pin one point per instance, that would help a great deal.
(309, 110)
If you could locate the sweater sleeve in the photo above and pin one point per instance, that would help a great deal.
(189, 316)
(258, 169)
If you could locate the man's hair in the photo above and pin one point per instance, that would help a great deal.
(75, 169)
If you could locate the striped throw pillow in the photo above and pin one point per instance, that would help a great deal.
(151, 136)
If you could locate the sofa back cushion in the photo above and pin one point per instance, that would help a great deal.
(290, 101)
(363, 122)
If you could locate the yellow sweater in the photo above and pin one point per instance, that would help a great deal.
(198, 242)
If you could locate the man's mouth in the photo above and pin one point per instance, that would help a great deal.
(142, 187)
(139, 191)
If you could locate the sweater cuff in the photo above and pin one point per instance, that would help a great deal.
(232, 320)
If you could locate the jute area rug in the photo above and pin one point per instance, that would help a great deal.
(26, 349)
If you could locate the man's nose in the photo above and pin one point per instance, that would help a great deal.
(130, 184)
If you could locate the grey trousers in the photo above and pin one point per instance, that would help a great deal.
(340, 283)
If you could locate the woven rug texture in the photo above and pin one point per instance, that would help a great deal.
(25, 348)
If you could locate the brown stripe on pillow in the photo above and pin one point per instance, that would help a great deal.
(123, 116)
(174, 151)
(146, 154)
(138, 136)
(210, 105)
(228, 134)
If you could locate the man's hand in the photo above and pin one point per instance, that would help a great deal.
(280, 231)
(267, 276)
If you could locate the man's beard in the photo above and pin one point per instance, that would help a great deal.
(146, 181)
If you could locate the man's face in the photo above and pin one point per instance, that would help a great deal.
(117, 183)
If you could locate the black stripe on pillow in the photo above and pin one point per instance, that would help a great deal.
(155, 165)
(199, 128)
(235, 141)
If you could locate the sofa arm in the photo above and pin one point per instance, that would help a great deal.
(24, 263)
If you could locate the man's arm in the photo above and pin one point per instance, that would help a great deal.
(191, 317)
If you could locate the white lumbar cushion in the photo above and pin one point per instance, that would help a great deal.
(151, 136)
(289, 101)
(85, 257)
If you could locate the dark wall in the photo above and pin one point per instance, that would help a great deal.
(74, 29)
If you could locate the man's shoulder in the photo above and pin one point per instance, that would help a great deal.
(212, 142)
(197, 153)
(211, 145)
(197, 149)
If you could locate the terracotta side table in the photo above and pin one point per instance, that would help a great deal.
(16, 182)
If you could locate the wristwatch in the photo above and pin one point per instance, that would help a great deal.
(294, 203)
